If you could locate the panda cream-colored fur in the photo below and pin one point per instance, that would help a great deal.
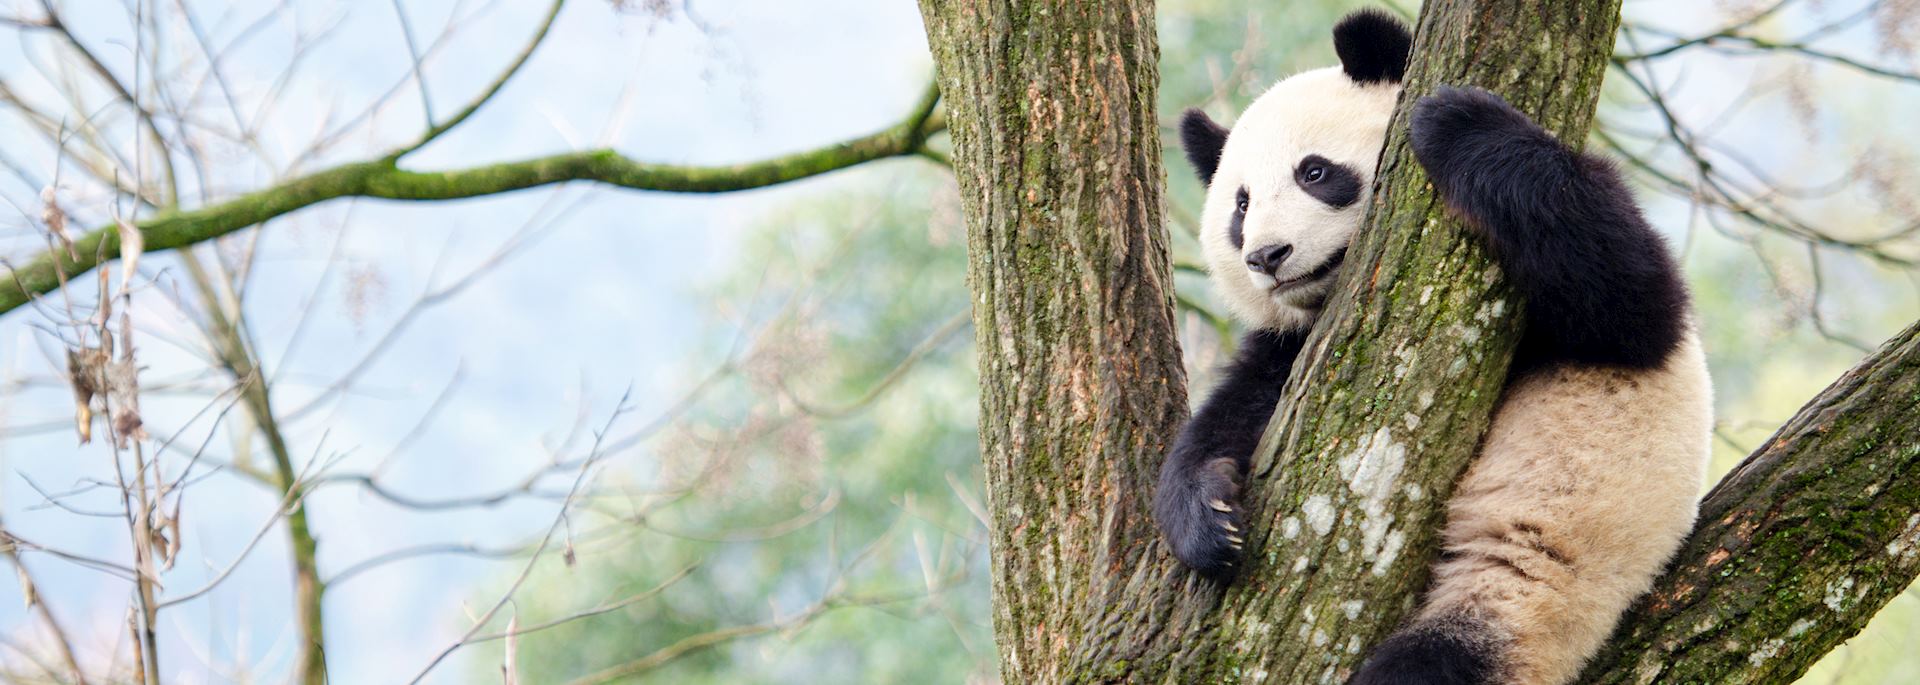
(1588, 477)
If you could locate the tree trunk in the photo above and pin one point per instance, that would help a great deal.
(1057, 151)
(1051, 106)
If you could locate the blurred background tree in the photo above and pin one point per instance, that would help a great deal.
(788, 485)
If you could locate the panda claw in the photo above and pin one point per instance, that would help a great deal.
(1193, 506)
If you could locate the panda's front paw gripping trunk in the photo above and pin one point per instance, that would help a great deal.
(1197, 503)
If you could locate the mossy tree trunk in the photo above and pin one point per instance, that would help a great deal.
(1051, 105)
(1052, 110)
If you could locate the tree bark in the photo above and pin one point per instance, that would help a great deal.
(1052, 110)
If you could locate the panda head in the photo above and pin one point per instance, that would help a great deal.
(1288, 186)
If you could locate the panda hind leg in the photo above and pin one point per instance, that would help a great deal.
(1452, 651)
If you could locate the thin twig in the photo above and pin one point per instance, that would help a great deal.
(435, 130)
(589, 613)
(526, 571)
(413, 52)
(61, 642)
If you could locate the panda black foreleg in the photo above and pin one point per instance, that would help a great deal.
(1196, 502)
(1600, 285)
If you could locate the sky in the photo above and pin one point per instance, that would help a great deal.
(619, 271)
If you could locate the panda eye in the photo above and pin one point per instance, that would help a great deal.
(1315, 173)
(1240, 201)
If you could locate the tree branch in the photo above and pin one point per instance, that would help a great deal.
(228, 336)
(1796, 548)
(382, 178)
(58, 24)
(62, 644)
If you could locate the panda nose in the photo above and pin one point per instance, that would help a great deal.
(1267, 260)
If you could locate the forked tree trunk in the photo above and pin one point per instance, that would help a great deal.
(1051, 105)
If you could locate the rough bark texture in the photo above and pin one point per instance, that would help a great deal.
(1798, 547)
(1051, 107)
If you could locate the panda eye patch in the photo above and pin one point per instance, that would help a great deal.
(1333, 184)
(1236, 229)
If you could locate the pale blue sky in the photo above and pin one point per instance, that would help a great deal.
(607, 298)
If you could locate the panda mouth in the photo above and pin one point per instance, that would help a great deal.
(1314, 274)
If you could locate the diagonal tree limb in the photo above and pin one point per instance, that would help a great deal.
(63, 645)
(1798, 547)
(56, 23)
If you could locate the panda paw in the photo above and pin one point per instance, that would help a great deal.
(1468, 137)
(1198, 511)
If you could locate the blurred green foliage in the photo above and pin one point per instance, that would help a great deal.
(818, 478)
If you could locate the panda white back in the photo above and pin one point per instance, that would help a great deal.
(1589, 475)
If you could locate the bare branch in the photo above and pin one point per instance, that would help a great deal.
(382, 179)
(932, 342)
(62, 643)
(559, 518)
(57, 24)
(413, 52)
(589, 613)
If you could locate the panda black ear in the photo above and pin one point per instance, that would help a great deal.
(1373, 46)
(1203, 140)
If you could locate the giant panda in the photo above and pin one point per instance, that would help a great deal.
(1588, 476)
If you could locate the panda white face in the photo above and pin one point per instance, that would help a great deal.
(1292, 185)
